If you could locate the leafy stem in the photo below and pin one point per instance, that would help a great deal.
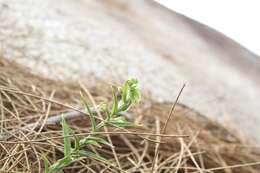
(123, 98)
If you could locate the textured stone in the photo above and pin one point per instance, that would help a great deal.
(115, 39)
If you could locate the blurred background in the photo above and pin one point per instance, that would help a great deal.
(236, 19)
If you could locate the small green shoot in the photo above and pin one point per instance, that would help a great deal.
(123, 98)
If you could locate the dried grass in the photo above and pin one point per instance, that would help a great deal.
(209, 147)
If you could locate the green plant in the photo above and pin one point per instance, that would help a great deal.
(123, 98)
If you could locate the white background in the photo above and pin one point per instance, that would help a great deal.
(238, 19)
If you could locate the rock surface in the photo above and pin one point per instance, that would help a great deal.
(115, 39)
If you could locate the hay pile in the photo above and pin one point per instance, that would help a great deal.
(26, 98)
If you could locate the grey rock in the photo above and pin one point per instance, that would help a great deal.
(116, 39)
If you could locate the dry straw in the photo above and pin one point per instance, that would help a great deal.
(27, 102)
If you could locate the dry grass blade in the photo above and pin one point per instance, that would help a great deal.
(165, 125)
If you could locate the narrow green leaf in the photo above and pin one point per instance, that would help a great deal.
(124, 93)
(115, 103)
(102, 141)
(121, 122)
(90, 114)
(66, 132)
(93, 156)
(61, 164)
(89, 141)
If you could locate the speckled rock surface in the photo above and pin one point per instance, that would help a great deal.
(115, 39)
